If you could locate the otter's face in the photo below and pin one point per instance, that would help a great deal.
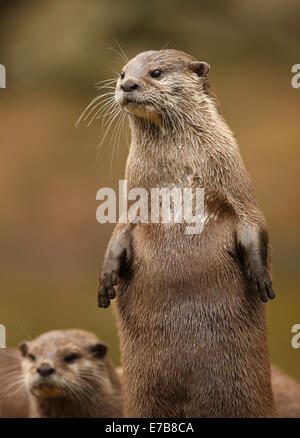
(160, 83)
(55, 366)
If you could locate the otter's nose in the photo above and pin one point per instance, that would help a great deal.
(129, 86)
(45, 370)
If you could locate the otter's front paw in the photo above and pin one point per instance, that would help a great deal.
(116, 261)
(252, 251)
(259, 281)
(106, 290)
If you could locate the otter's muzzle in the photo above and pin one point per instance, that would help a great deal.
(129, 86)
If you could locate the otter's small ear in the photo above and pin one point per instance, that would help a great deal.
(23, 347)
(200, 68)
(98, 350)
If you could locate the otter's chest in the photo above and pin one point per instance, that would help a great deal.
(169, 251)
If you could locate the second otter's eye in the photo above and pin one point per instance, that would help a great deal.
(31, 357)
(155, 73)
(122, 74)
(71, 357)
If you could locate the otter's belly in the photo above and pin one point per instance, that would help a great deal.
(182, 310)
(177, 279)
(167, 257)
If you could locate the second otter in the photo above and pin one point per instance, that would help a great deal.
(68, 375)
(190, 306)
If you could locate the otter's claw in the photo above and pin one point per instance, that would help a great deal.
(106, 290)
(117, 259)
(259, 281)
(252, 253)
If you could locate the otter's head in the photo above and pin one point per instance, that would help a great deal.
(162, 85)
(62, 363)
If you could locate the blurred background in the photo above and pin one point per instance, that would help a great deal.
(54, 52)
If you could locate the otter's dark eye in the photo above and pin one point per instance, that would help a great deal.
(156, 73)
(31, 357)
(122, 74)
(71, 357)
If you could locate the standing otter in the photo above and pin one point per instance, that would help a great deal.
(68, 375)
(189, 306)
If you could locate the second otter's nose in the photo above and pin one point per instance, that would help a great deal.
(129, 86)
(45, 370)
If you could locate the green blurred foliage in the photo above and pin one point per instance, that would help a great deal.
(54, 51)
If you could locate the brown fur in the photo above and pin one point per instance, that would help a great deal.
(192, 333)
(86, 387)
(13, 396)
(286, 393)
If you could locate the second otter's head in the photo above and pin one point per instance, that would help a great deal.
(162, 84)
(61, 363)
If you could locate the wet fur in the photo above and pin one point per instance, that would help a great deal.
(14, 398)
(13, 395)
(191, 322)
